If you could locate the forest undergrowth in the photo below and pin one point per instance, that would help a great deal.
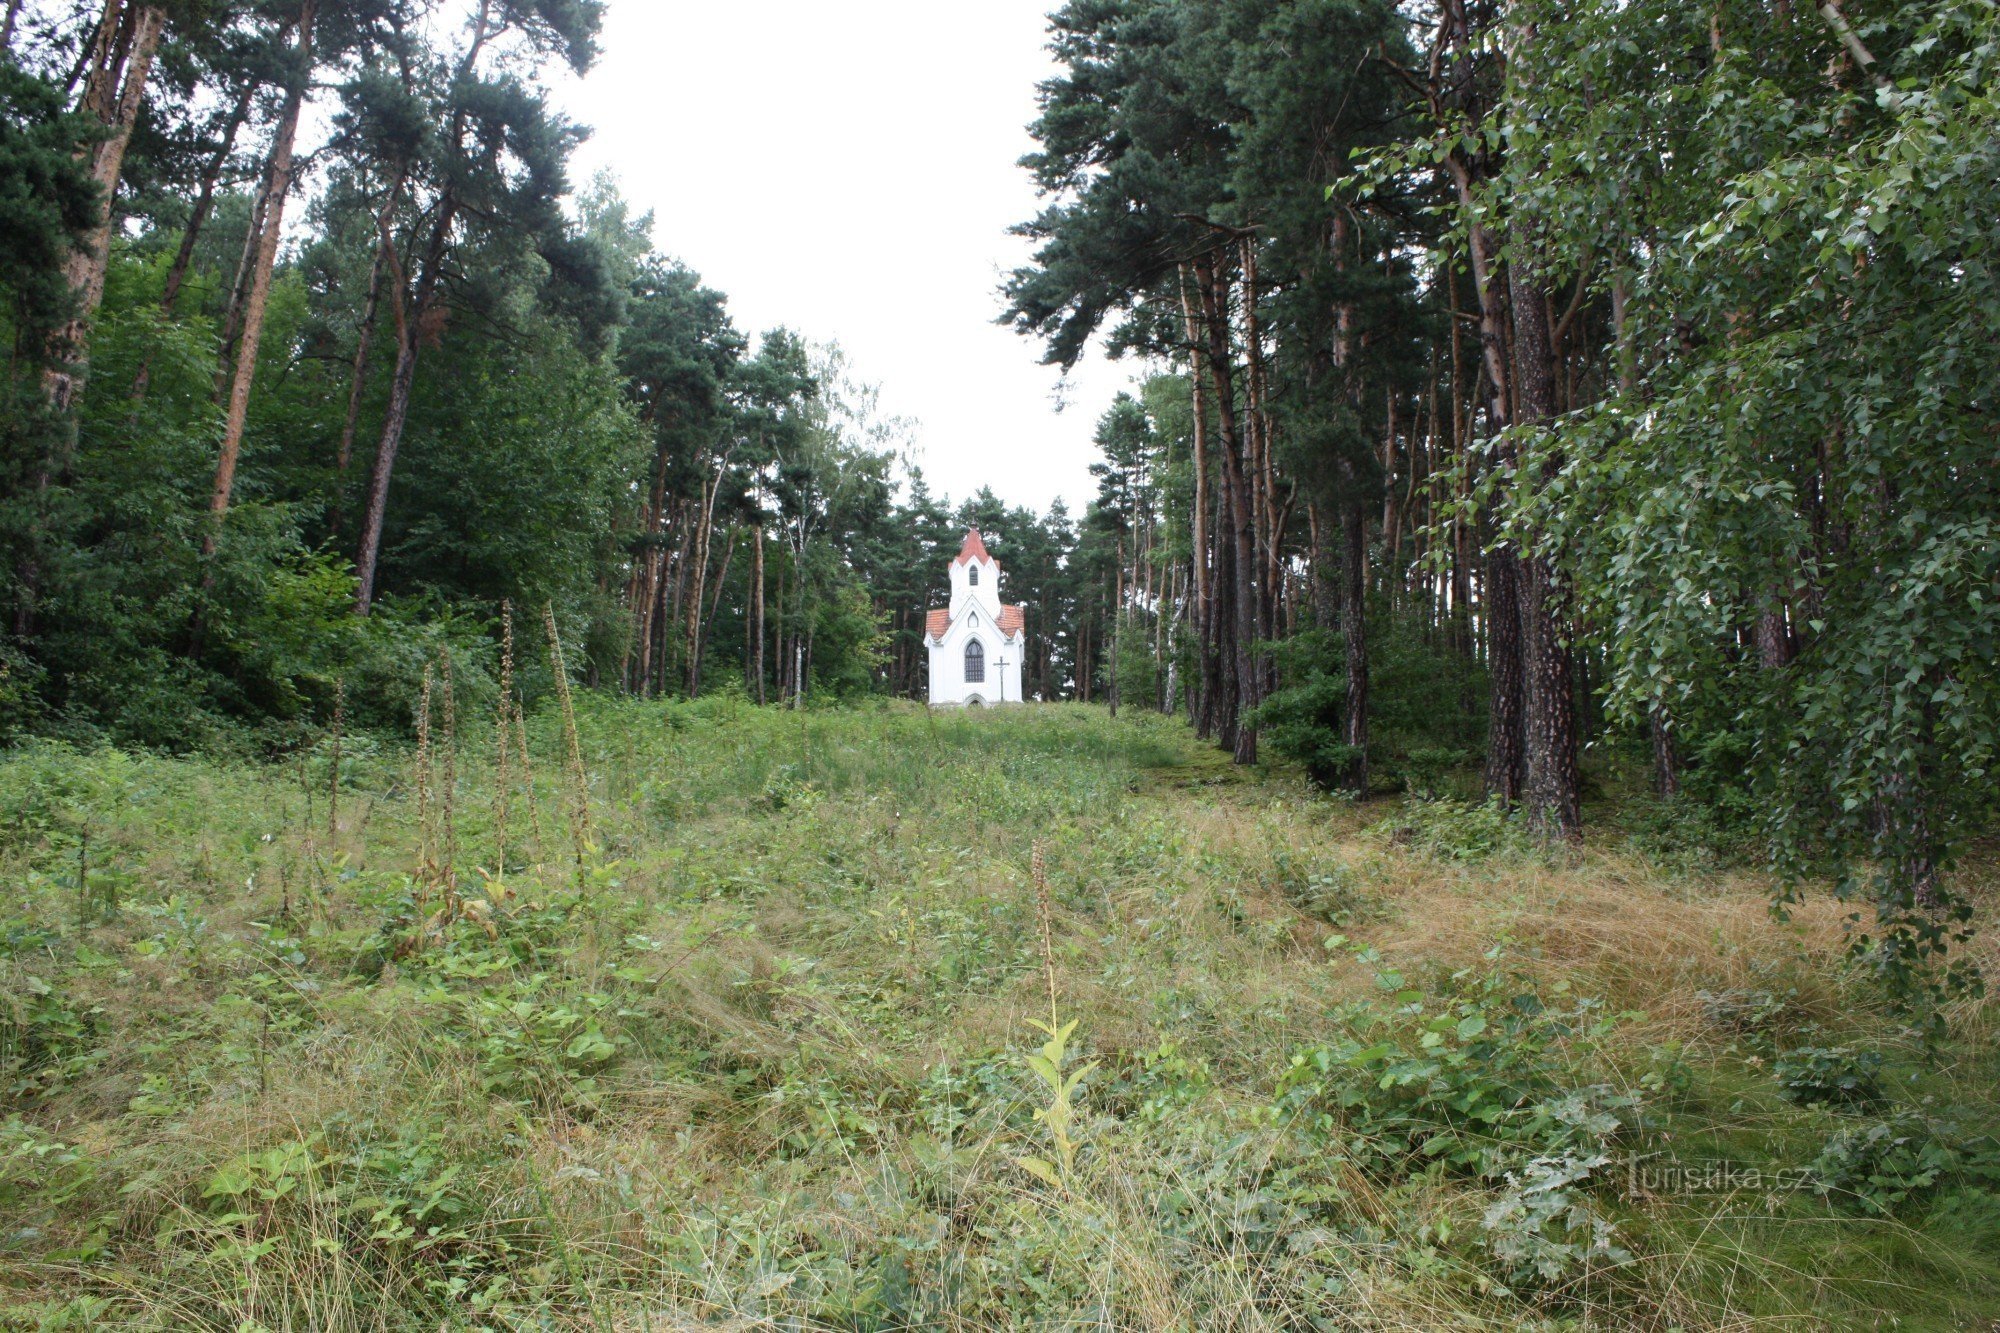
(882, 1018)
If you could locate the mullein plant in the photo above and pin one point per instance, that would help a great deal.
(1059, 1115)
(579, 782)
(426, 853)
(503, 739)
(333, 778)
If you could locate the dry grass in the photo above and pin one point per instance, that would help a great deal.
(812, 949)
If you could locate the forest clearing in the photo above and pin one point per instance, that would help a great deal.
(1452, 549)
(762, 1054)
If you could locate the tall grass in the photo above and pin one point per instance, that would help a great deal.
(752, 1054)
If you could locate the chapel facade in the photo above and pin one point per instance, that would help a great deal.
(975, 642)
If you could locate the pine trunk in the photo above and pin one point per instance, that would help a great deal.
(121, 62)
(1236, 499)
(757, 612)
(698, 588)
(1202, 562)
(278, 184)
(1117, 628)
(357, 378)
(204, 201)
(412, 317)
(1553, 786)
(1354, 626)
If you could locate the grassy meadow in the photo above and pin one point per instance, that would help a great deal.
(740, 1032)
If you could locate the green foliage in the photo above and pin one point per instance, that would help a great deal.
(1754, 1013)
(1457, 830)
(46, 1035)
(1331, 893)
(1804, 446)
(1474, 1079)
(1303, 719)
(1057, 1115)
(1470, 1076)
(1839, 1076)
(535, 1046)
(1543, 1228)
(1414, 743)
(1887, 1166)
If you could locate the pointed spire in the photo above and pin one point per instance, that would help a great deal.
(973, 549)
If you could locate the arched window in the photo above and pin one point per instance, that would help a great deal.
(972, 576)
(975, 663)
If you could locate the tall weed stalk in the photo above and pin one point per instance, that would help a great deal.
(579, 783)
(1058, 1116)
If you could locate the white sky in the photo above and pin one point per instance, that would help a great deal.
(847, 169)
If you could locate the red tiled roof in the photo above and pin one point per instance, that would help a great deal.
(938, 619)
(974, 549)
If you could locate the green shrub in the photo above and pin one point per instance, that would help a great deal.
(44, 1035)
(1456, 830)
(1474, 1077)
(1425, 768)
(20, 702)
(1329, 892)
(540, 1047)
(1840, 1076)
(1414, 742)
(1748, 1011)
(1303, 720)
(1878, 1167)
(1475, 1080)
(1685, 835)
(1543, 1228)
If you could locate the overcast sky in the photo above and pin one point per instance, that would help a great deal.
(848, 170)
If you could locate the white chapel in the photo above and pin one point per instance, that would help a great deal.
(976, 642)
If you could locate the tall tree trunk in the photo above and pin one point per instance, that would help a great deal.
(121, 63)
(240, 284)
(1202, 564)
(278, 184)
(197, 218)
(1324, 569)
(1461, 527)
(118, 60)
(1774, 637)
(704, 534)
(715, 602)
(1236, 499)
(412, 316)
(394, 418)
(1117, 627)
(1353, 534)
(1222, 624)
(204, 201)
(1553, 788)
(1506, 743)
(777, 634)
(1666, 754)
(1354, 625)
(652, 569)
(1264, 509)
(757, 611)
(378, 272)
